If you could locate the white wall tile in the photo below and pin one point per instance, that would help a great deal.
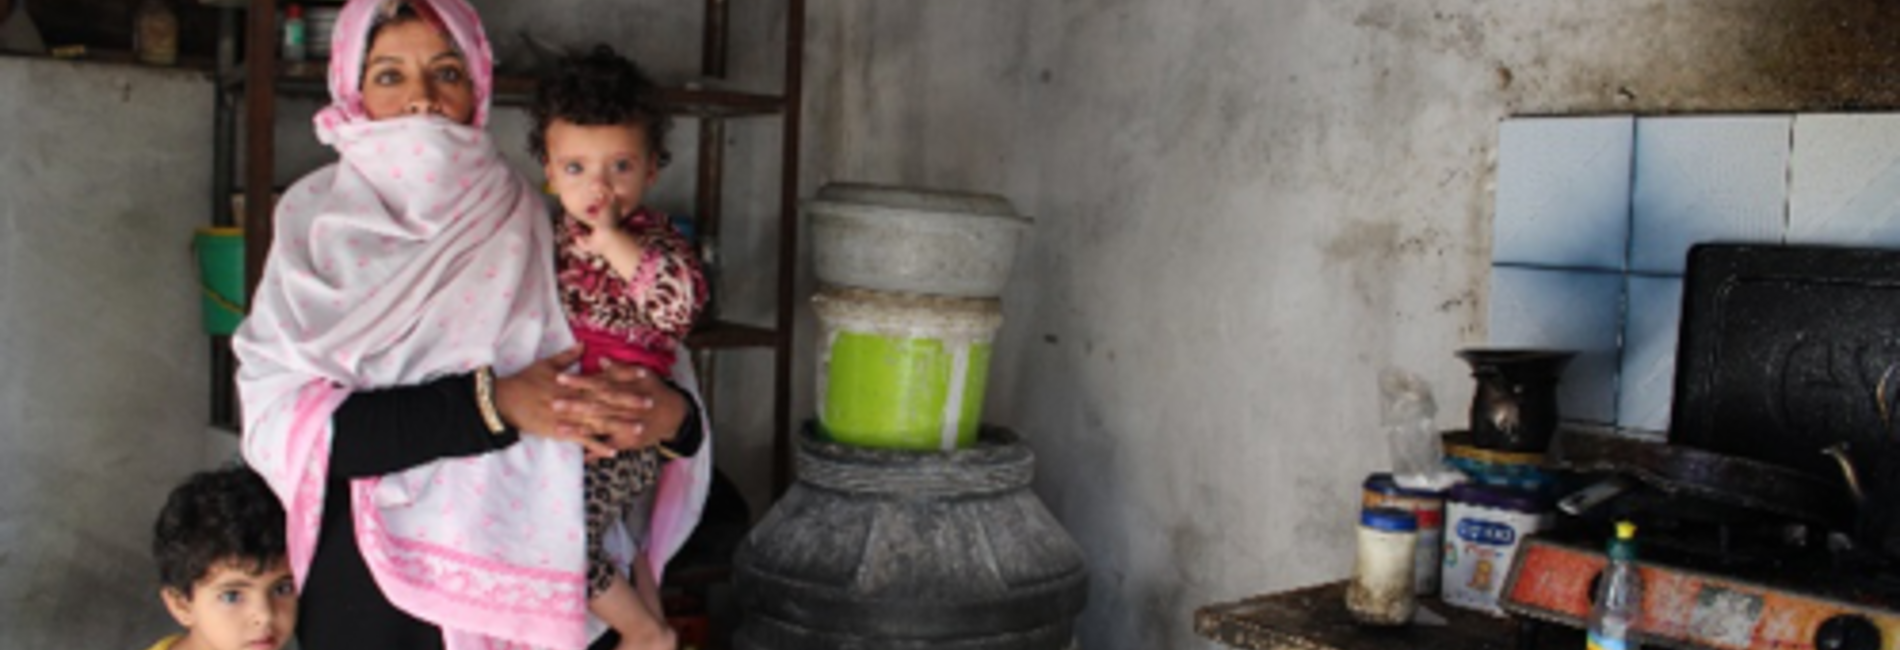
(1563, 192)
(1844, 183)
(1647, 382)
(1699, 179)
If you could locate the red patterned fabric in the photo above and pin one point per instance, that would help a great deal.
(646, 316)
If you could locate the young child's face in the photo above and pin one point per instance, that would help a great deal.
(599, 171)
(233, 608)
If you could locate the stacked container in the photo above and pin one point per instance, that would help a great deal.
(908, 308)
(909, 525)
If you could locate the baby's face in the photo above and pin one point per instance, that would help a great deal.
(236, 608)
(600, 172)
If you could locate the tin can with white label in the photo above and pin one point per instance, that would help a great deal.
(1485, 527)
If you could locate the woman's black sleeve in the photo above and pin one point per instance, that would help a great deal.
(686, 442)
(389, 430)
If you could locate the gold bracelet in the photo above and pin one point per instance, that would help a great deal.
(485, 398)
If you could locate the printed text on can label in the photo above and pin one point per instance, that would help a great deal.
(1485, 532)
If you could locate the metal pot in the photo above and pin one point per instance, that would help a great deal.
(1515, 405)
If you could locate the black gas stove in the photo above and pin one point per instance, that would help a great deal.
(1751, 535)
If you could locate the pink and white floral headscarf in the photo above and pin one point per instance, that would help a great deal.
(421, 254)
(353, 26)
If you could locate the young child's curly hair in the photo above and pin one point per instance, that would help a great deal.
(600, 88)
(226, 515)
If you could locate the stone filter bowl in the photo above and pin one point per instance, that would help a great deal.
(910, 240)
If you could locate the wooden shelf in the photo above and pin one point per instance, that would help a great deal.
(722, 335)
(308, 80)
(94, 55)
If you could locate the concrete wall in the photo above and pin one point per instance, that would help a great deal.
(1245, 210)
(104, 368)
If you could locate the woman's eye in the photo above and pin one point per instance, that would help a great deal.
(285, 588)
(451, 75)
(388, 78)
(572, 168)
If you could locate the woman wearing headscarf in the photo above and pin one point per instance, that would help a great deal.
(402, 369)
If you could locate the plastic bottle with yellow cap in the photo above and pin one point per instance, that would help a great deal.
(1619, 601)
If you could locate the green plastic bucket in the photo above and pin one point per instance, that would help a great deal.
(220, 254)
(903, 371)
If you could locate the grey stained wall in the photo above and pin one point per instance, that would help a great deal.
(1245, 210)
(104, 173)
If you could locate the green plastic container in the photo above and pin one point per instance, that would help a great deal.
(903, 371)
(220, 254)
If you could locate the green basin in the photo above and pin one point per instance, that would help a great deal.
(910, 377)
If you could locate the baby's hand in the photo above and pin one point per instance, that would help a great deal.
(596, 219)
(602, 211)
(603, 223)
(613, 242)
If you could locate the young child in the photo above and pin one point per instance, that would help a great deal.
(631, 285)
(222, 565)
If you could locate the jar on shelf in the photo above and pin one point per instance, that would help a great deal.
(155, 33)
(1381, 591)
(1382, 491)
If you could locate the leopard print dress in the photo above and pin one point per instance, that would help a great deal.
(639, 320)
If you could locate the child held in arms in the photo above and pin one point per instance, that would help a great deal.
(632, 288)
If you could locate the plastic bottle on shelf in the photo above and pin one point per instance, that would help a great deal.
(1619, 602)
(296, 39)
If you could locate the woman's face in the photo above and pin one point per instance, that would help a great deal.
(413, 70)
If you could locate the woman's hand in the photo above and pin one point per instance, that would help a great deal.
(526, 400)
(630, 407)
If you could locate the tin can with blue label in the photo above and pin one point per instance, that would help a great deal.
(1485, 527)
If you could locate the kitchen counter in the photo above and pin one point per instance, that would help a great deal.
(1315, 618)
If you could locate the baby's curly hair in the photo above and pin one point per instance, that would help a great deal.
(600, 88)
(214, 517)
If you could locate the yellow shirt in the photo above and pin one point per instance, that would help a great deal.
(167, 642)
